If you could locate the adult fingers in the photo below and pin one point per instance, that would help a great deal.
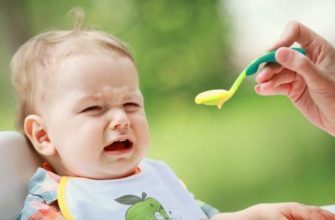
(276, 79)
(285, 82)
(298, 63)
(268, 72)
(266, 89)
(297, 32)
(312, 213)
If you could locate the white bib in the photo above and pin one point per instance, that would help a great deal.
(155, 193)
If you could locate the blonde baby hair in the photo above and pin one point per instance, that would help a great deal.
(36, 61)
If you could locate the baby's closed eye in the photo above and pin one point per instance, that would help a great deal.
(93, 108)
(131, 106)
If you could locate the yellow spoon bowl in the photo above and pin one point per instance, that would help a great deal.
(219, 96)
(213, 97)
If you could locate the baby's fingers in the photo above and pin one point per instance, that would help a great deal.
(311, 213)
(326, 214)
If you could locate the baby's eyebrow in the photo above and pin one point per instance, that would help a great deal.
(89, 98)
(134, 95)
(129, 96)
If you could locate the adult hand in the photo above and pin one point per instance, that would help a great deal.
(309, 81)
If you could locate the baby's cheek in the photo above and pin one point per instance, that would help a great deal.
(139, 120)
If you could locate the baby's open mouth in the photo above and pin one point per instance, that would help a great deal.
(119, 146)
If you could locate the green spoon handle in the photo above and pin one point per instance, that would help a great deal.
(267, 58)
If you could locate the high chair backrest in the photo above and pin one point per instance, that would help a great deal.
(18, 164)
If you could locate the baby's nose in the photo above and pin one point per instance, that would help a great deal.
(119, 120)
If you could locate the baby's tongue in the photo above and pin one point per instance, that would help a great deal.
(119, 145)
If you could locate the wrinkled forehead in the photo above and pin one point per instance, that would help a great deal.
(59, 53)
(99, 66)
(90, 73)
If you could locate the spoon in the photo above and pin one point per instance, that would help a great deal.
(219, 96)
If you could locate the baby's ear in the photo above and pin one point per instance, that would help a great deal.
(38, 135)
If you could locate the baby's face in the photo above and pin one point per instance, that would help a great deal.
(95, 117)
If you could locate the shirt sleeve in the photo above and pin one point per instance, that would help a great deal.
(41, 201)
(35, 208)
(209, 210)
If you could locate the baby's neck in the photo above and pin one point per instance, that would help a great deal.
(48, 167)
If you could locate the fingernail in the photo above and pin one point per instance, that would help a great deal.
(259, 76)
(283, 55)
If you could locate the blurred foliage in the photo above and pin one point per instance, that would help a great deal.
(255, 150)
(179, 46)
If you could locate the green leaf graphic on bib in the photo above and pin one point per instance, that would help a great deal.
(143, 208)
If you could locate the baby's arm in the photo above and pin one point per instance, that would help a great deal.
(278, 211)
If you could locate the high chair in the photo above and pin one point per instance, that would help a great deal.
(18, 164)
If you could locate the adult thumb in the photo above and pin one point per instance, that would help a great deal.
(298, 63)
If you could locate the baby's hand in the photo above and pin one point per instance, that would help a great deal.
(278, 211)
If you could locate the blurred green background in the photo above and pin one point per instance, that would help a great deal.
(255, 150)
